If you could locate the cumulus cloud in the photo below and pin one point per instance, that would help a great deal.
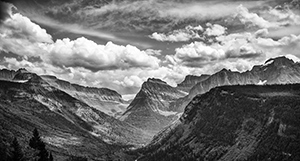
(190, 33)
(86, 53)
(186, 34)
(253, 47)
(247, 17)
(79, 61)
(215, 30)
(23, 37)
(18, 26)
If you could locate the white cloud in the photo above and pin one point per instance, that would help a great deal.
(186, 34)
(86, 53)
(251, 47)
(215, 30)
(84, 62)
(18, 26)
(23, 37)
(198, 51)
(246, 17)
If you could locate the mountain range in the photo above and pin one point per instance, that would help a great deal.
(246, 122)
(158, 104)
(197, 117)
(68, 125)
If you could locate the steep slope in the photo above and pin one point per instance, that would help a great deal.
(103, 99)
(280, 70)
(68, 125)
(234, 123)
(191, 80)
(150, 108)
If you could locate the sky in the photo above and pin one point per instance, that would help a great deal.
(119, 44)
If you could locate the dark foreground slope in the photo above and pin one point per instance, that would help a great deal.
(67, 125)
(234, 123)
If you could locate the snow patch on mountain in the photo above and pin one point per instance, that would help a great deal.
(165, 113)
(262, 82)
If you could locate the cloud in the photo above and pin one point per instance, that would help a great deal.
(125, 67)
(154, 15)
(278, 18)
(18, 26)
(23, 37)
(180, 35)
(246, 17)
(215, 30)
(228, 46)
(86, 53)
(253, 47)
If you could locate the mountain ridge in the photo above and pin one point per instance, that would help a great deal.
(241, 122)
(149, 110)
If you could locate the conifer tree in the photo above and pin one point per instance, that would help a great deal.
(16, 153)
(36, 143)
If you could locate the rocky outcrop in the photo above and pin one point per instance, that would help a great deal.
(234, 123)
(149, 110)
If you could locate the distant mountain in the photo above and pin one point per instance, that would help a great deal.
(280, 70)
(234, 123)
(68, 125)
(149, 110)
(190, 81)
(103, 99)
(152, 110)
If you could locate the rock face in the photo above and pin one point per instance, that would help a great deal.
(68, 125)
(149, 110)
(190, 81)
(234, 123)
(103, 99)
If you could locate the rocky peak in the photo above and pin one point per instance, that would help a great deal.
(155, 80)
(22, 70)
(280, 61)
(155, 85)
(150, 110)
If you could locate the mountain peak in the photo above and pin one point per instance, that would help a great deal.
(22, 70)
(279, 61)
(155, 80)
